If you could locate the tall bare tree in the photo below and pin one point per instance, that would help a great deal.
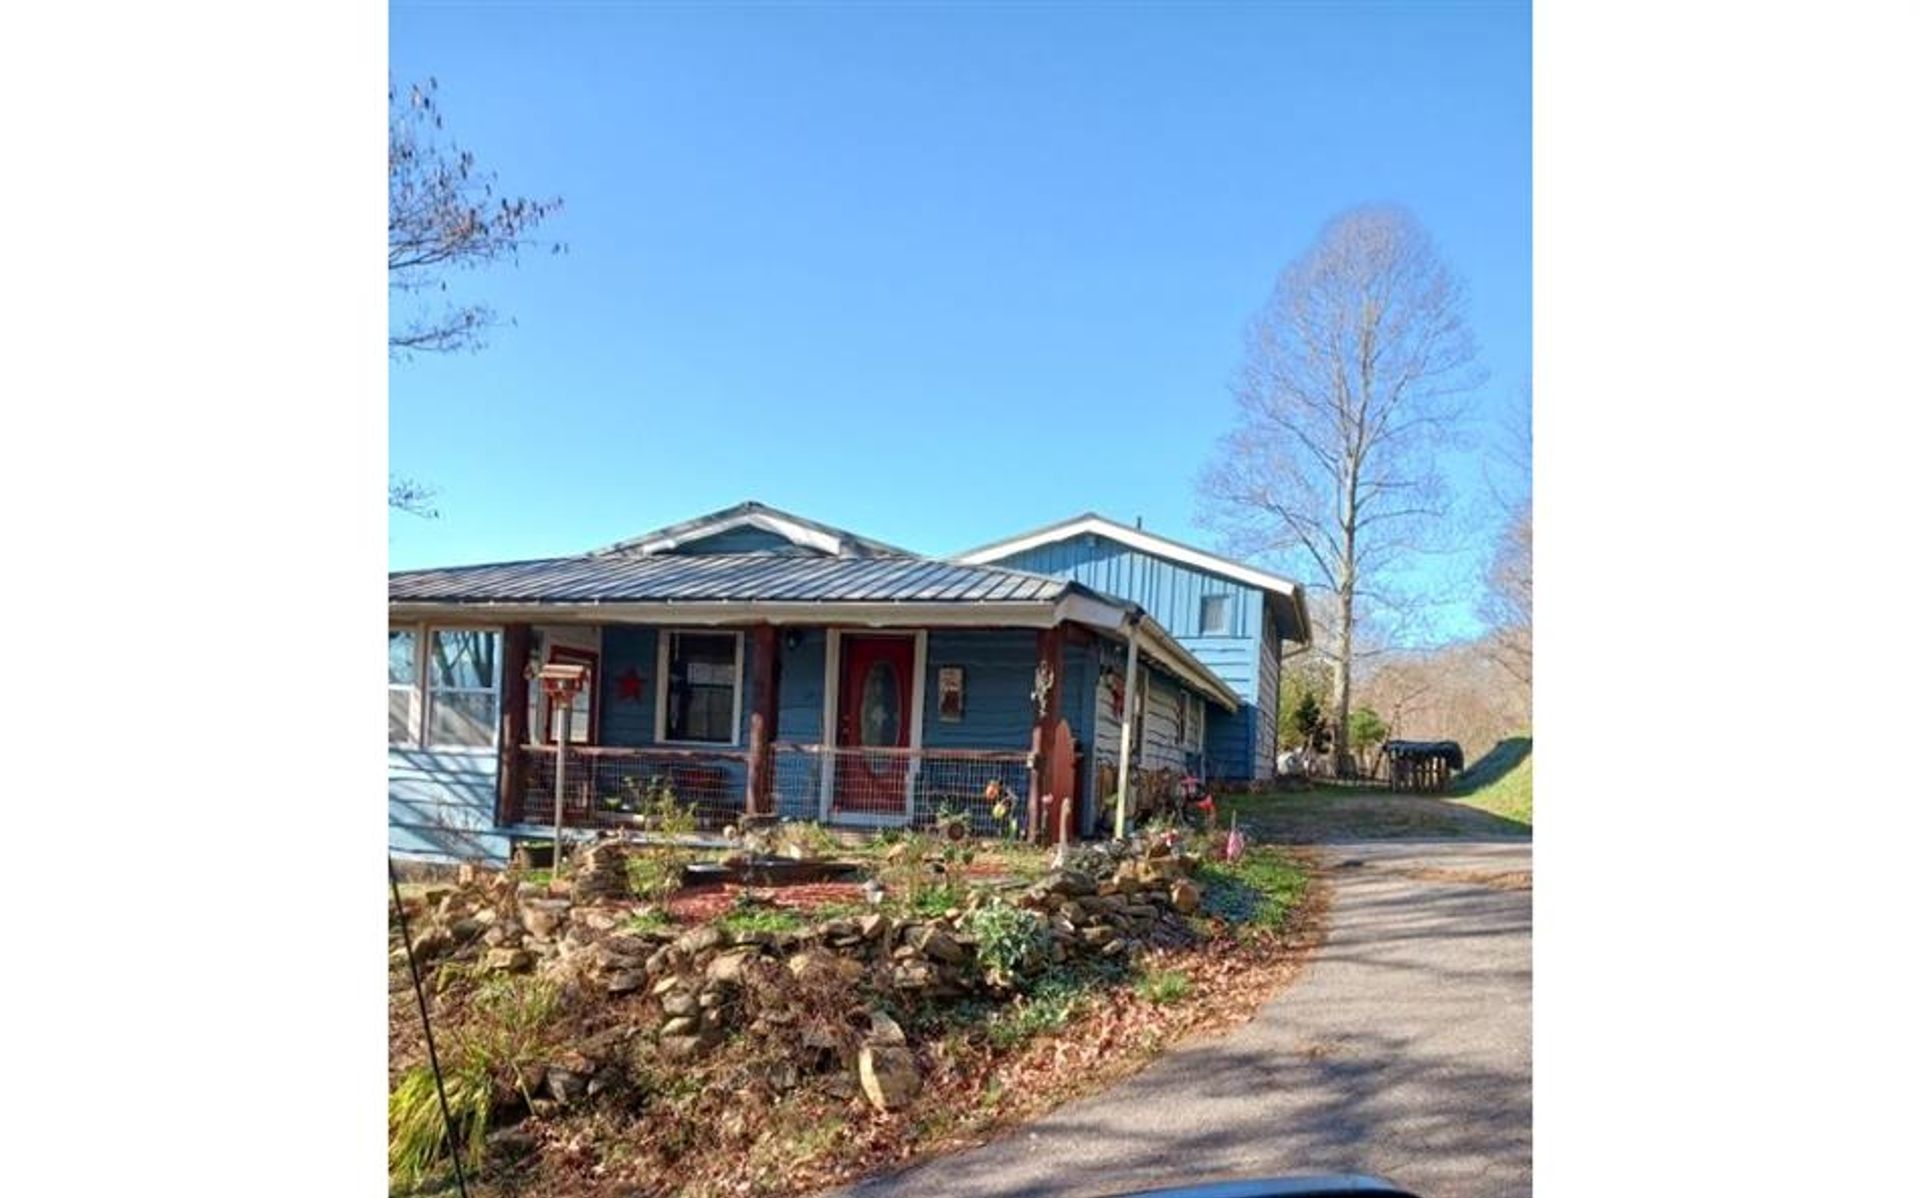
(1355, 374)
(442, 216)
(1507, 605)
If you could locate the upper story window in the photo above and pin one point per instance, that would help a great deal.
(1216, 613)
(700, 681)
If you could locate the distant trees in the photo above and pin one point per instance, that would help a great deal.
(1366, 731)
(1307, 722)
(1352, 382)
(442, 216)
(1508, 603)
(1304, 682)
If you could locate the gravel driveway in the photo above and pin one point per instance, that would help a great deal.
(1404, 1050)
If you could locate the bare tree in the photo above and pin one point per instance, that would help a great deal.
(1507, 605)
(1509, 602)
(1353, 381)
(442, 216)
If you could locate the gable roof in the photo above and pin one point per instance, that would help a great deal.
(796, 530)
(632, 577)
(1295, 624)
(844, 578)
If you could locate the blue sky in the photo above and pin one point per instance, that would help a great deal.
(935, 273)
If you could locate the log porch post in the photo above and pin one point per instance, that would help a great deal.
(763, 726)
(1046, 723)
(516, 645)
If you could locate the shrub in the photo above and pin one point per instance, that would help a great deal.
(416, 1135)
(493, 1051)
(1011, 940)
(1048, 1003)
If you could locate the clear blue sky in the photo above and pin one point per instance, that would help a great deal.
(934, 273)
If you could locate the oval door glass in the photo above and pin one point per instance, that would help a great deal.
(880, 707)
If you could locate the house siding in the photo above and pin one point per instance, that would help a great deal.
(440, 804)
(1267, 732)
(1171, 593)
(744, 540)
(998, 713)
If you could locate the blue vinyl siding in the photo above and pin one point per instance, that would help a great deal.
(998, 711)
(628, 723)
(744, 540)
(1171, 593)
(625, 647)
(803, 691)
(440, 804)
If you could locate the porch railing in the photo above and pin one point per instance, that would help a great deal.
(910, 787)
(608, 787)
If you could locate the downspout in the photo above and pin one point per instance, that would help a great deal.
(1126, 725)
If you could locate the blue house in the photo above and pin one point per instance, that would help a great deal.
(1234, 619)
(763, 665)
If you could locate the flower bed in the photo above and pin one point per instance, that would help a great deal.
(675, 1047)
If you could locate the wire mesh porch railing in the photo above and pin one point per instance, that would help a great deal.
(903, 787)
(610, 787)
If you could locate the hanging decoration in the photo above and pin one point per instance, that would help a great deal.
(630, 684)
(1042, 686)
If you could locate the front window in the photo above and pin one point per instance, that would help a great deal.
(463, 687)
(702, 680)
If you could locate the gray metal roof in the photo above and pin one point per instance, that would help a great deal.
(742, 577)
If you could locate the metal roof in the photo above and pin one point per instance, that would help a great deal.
(737, 577)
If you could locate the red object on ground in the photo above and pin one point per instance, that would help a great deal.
(701, 903)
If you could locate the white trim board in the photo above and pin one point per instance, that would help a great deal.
(798, 534)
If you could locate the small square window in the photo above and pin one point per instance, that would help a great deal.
(1215, 611)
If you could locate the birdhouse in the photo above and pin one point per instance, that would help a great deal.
(561, 680)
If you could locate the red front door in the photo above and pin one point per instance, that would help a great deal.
(876, 712)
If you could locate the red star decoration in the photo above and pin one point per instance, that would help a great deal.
(630, 684)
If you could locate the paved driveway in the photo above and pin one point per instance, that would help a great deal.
(1404, 1050)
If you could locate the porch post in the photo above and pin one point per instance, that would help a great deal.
(516, 645)
(1126, 730)
(763, 726)
(1046, 719)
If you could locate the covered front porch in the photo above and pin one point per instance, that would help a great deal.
(608, 788)
(758, 666)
